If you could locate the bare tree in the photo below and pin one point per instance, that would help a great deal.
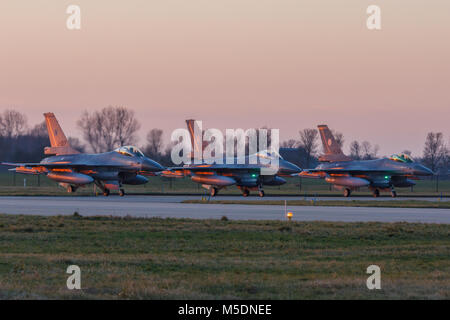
(259, 144)
(291, 143)
(109, 128)
(308, 141)
(447, 159)
(435, 151)
(154, 148)
(269, 138)
(76, 144)
(12, 124)
(339, 137)
(369, 152)
(355, 150)
(94, 131)
(39, 130)
(166, 157)
(407, 152)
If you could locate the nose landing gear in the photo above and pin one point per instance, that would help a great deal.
(393, 193)
(347, 192)
(71, 189)
(213, 191)
(260, 191)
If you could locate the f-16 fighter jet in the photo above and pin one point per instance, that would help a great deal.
(380, 174)
(72, 169)
(246, 172)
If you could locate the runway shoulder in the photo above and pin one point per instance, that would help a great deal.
(171, 207)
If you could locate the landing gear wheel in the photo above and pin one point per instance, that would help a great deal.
(347, 192)
(213, 192)
(376, 193)
(261, 193)
(70, 189)
(245, 192)
(106, 192)
(393, 193)
(121, 192)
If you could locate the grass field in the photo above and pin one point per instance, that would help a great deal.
(20, 184)
(335, 203)
(215, 259)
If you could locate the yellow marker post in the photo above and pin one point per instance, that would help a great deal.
(289, 215)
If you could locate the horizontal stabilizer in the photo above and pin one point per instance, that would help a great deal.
(60, 150)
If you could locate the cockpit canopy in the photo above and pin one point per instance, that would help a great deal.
(269, 154)
(401, 157)
(130, 151)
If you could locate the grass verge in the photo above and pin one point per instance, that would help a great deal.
(335, 203)
(130, 258)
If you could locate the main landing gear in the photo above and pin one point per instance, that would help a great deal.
(347, 192)
(246, 191)
(393, 193)
(106, 191)
(376, 193)
(71, 189)
(102, 187)
(260, 191)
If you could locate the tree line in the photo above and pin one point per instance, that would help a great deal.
(106, 129)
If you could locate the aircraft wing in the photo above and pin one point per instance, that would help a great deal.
(37, 168)
(320, 173)
(214, 167)
(179, 172)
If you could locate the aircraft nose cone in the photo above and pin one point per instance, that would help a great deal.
(420, 170)
(151, 166)
(288, 168)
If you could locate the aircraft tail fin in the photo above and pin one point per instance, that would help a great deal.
(331, 147)
(58, 141)
(197, 143)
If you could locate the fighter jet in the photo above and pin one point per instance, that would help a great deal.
(243, 173)
(381, 174)
(72, 169)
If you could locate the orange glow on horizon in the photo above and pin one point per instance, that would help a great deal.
(234, 64)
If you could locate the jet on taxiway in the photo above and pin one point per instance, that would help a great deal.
(72, 169)
(243, 173)
(381, 174)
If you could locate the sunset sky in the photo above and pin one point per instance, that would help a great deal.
(287, 64)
